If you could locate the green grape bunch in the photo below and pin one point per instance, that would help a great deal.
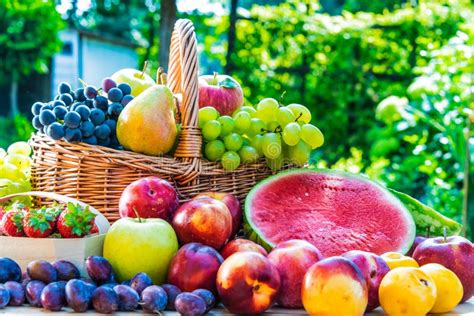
(15, 169)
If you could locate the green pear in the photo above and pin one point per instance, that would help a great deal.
(147, 124)
(138, 80)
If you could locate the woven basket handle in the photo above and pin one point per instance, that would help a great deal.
(100, 220)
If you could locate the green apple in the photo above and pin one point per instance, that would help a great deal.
(137, 79)
(134, 245)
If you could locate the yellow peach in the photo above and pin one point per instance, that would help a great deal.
(396, 260)
(407, 291)
(448, 286)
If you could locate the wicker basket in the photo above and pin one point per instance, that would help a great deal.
(97, 175)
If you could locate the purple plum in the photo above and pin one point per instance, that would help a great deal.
(53, 297)
(42, 270)
(208, 298)
(33, 292)
(140, 282)
(105, 300)
(66, 270)
(9, 270)
(4, 296)
(99, 269)
(17, 293)
(128, 298)
(78, 295)
(189, 304)
(172, 291)
(154, 299)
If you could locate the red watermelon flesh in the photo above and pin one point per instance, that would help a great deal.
(333, 210)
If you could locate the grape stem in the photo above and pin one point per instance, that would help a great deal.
(83, 82)
(145, 66)
(299, 116)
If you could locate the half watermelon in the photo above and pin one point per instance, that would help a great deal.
(333, 210)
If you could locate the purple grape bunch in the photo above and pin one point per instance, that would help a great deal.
(87, 115)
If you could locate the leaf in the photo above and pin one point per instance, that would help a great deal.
(228, 83)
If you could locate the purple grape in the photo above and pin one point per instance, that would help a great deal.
(115, 109)
(97, 117)
(140, 282)
(112, 124)
(172, 291)
(33, 292)
(72, 119)
(66, 98)
(73, 135)
(42, 270)
(154, 299)
(47, 117)
(89, 103)
(53, 297)
(87, 129)
(64, 87)
(84, 112)
(79, 95)
(4, 296)
(102, 131)
(48, 106)
(208, 298)
(9, 270)
(78, 295)
(115, 95)
(66, 270)
(36, 123)
(60, 112)
(99, 269)
(91, 140)
(104, 142)
(105, 300)
(36, 108)
(126, 99)
(189, 304)
(55, 131)
(125, 88)
(17, 293)
(90, 92)
(101, 103)
(107, 84)
(128, 297)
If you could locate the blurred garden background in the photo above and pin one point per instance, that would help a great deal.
(390, 83)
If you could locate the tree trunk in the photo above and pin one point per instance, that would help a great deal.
(14, 109)
(231, 36)
(151, 36)
(167, 20)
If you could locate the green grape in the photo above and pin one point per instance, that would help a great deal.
(285, 116)
(292, 134)
(267, 110)
(227, 125)
(6, 186)
(21, 148)
(256, 142)
(3, 153)
(312, 135)
(271, 145)
(256, 126)
(11, 172)
(299, 154)
(249, 109)
(22, 162)
(275, 164)
(242, 122)
(245, 141)
(230, 160)
(233, 142)
(207, 113)
(248, 154)
(211, 130)
(214, 150)
(272, 126)
(301, 112)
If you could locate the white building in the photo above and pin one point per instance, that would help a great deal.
(90, 57)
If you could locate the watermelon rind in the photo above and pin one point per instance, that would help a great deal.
(253, 233)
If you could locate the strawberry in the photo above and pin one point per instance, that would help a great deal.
(39, 223)
(75, 221)
(94, 230)
(12, 223)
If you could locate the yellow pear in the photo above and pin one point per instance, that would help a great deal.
(147, 123)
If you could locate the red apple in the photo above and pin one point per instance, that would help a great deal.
(194, 267)
(203, 220)
(150, 197)
(373, 269)
(221, 92)
(248, 283)
(455, 253)
(232, 204)
(292, 259)
(418, 240)
(240, 244)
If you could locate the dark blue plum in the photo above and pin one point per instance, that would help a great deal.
(105, 300)
(42, 270)
(101, 103)
(72, 119)
(115, 95)
(79, 95)
(78, 295)
(140, 282)
(33, 292)
(55, 131)
(66, 98)
(126, 282)
(126, 100)
(115, 109)
(154, 299)
(128, 297)
(87, 129)
(66, 270)
(107, 84)
(189, 304)
(90, 92)
(9, 270)
(47, 117)
(4, 296)
(84, 112)
(17, 293)
(172, 291)
(91, 140)
(36, 108)
(64, 87)
(97, 117)
(207, 296)
(102, 131)
(60, 112)
(53, 297)
(110, 284)
(125, 88)
(99, 269)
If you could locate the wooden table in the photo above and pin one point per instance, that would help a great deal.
(463, 309)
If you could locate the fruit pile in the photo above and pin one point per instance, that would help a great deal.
(281, 134)
(86, 115)
(15, 170)
(59, 221)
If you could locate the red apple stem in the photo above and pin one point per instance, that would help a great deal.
(136, 214)
(145, 66)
